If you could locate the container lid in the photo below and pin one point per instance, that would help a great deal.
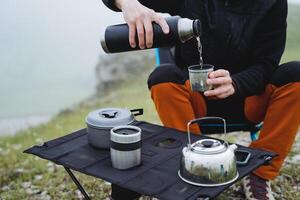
(125, 134)
(109, 117)
(208, 146)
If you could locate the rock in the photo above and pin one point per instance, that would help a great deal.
(79, 195)
(5, 187)
(277, 189)
(107, 183)
(43, 196)
(26, 184)
(38, 177)
(295, 159)
(19, 170)
(36, 158)
(39, 140)
(17, 146)
(51, 167)
(62, 187)
(32, 191)
(5, 152)
(113, 69)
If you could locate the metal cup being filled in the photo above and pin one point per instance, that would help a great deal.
(198, 76)
(125, 146)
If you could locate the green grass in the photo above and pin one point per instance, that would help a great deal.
(22, 174)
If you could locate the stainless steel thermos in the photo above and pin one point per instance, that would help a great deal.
(116, 37)
(125, 146)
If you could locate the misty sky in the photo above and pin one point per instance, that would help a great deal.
(48, 51)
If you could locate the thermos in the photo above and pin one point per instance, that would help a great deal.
(125, 146)
(116, 37)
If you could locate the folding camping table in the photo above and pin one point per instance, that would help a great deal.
(156, 176)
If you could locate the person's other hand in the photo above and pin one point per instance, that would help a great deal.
(139, 19)
(222, 84)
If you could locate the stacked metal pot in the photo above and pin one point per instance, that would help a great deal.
(113, 128)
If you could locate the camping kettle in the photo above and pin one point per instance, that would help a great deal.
(208, 162)
(115, 37)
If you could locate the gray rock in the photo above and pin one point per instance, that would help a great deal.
(26, 184)
(113, 69)
(295, 159)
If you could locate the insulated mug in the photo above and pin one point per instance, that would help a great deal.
(125, 146)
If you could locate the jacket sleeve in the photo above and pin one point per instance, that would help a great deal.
(267, 48)
(165, 6)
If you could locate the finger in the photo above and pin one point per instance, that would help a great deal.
(149, 32)
(162, 23)
(217, 91)
(132, 31)
(141, 34)
(219, 81)
(218, 73)
(224, 95)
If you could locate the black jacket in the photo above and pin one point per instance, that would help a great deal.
(246, 37)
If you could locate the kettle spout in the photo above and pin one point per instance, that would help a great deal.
(233, 147)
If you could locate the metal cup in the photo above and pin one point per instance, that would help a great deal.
(198, 77)
(125, 146)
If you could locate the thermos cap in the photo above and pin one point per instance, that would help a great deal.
(125, 134)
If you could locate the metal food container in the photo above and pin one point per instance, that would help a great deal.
(125, 147)
(100, 122)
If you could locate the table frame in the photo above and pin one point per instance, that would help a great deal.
(77, 183)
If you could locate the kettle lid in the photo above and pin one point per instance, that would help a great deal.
(208, 146)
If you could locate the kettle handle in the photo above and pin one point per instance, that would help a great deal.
(137, 112)
(200, 119)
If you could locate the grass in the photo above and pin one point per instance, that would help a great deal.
(24, 176)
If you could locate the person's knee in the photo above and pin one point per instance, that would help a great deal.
(287, 73)
(166, 74)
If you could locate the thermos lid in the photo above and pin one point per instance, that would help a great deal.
(109, 117)
(125, 134)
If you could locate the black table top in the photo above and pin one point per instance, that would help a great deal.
(157, 176)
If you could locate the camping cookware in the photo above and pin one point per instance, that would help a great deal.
(115, 37)
(208, 162)
(125, 146)
(99, 123)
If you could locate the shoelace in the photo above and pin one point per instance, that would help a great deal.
(258, 187)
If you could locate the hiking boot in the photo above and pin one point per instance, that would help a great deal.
(257, 188)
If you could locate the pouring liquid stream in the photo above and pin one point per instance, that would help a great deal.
(200, 51)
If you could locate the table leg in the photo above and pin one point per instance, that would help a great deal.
(79, 186)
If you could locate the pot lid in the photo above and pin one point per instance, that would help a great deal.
(208, 146)
(109, 117)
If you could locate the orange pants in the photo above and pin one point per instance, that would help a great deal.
(278, 107)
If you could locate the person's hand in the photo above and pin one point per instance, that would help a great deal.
(222, 84)
(139, 19)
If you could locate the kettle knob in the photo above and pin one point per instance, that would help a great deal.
(207, 143)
